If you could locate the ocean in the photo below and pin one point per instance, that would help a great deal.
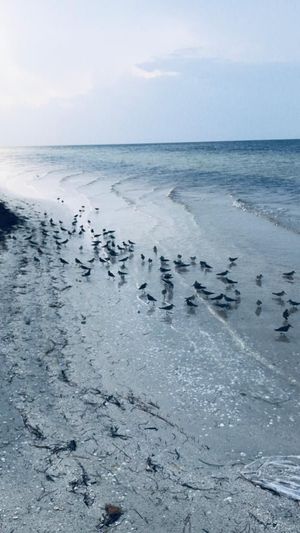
(210, 200)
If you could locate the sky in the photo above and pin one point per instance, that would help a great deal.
(135, 71)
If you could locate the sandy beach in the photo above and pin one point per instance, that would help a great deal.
(88, 422)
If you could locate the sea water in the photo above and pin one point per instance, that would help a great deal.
(212, 201)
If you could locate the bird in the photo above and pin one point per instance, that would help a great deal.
(223, 274)
(155, 249)
(121, 273)
(189, 303)
(167, 307)
(293, 303)
(258, 303)
(151, 298)
(289, 274)
(142, 287)
(286, 314)
(168, 282)
(87, 273)
(283, 329)
(63, 261)
(279, 294)
(222, 306)
(218, 298)
(163, 270)
(198, 286)
(110, 274)
(232, 259)
(230, 281)
(259, 277)
(228, 299)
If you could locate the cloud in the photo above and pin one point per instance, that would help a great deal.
(148, 74)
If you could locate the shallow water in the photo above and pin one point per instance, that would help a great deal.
(212, 200)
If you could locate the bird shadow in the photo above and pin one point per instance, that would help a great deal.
(282, 338)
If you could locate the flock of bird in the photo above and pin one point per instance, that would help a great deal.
(116, 256)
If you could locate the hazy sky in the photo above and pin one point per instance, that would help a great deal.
(114, 71)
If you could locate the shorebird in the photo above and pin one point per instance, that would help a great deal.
(293, 303)
(289, 274)
(167, 307)
(204, 264)
(206, 293)
(155, 249)
(283, 329)
(63, 261)
(230, 281)
(198, 286)
(258, 303)
(87, 273)
(222, 306)
(142, 287)
(190, 303)
(218, 298)
(164, 259)
(223, 274)
(168, 282)
(286, 314)
(232, 259)
(121, 273)
(279, 294)
(110, 274)
(259, 277)
(151, 298)
(228, 299)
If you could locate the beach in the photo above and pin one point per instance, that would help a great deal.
(108, 400)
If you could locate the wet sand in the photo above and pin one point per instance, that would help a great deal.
(89, 420)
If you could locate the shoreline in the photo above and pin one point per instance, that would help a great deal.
(78, 432)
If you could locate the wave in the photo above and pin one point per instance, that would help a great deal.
(277, 217)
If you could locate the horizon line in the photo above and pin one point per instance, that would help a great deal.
(149, 143)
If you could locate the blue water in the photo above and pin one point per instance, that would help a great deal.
(260, 176)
